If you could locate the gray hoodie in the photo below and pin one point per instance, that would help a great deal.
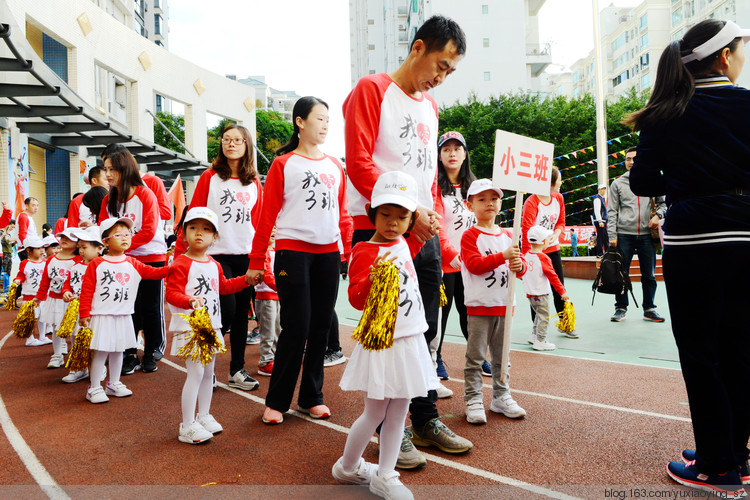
(628, 213)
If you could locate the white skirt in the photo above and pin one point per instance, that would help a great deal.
(179, 339)
(403, 371)
(51, 311)
(112, 333)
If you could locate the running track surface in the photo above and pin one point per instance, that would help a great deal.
(594, 430)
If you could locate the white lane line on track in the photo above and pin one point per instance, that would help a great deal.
(33, 465)
(537, 490)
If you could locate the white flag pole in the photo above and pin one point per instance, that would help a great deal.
(504, 360)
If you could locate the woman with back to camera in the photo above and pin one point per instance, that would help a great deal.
(695, 148)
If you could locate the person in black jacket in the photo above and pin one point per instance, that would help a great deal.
(694, 147)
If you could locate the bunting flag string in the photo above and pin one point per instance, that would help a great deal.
(574, 154)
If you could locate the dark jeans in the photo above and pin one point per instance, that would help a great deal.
(427, 266)
(558, 267)
(704, 309)
(149, 315)
(454, 288)
(627, 245)
(234, 309)
(307, 284)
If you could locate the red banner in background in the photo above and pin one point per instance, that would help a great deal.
(583, 233)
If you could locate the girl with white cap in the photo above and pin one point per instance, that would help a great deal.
(30, 277)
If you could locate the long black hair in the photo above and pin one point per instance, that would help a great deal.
(675, 83)
(302, 109)
(124, 163)
(465, 175)
(93, 200)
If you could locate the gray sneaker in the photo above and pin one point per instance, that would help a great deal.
(436, 433)
(619, 315)
(333, 358)
(408, 456)
(241, 380)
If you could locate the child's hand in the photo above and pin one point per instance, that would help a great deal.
(456, 262)
(84, 322)
(197, 302)
(254, 277)
(6, 205)
(379, 260)
(515, 264)
(17, 282)
(565, 297)
(36, 302)
(512, 252)
(68, 296)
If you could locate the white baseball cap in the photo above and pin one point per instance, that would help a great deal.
(480, 185)
(602, 186)
(68, 232)
(90, 233)
(33, 241)
(50, 240)
(107, 224)
(729, 32)
(537, 234)
(397, 188)
(202, 213)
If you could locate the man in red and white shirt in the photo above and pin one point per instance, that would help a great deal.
(79, 214)
(392, 124)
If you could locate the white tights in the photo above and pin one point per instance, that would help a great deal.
(96, 370)
(392, 413)
(199, 387)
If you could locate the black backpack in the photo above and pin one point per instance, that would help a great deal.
(612, 277)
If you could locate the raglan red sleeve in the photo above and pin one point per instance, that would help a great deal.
(160, 191)
(21, 276)
(268, 277)
(199, 199)
(232, 285)
(258, 207)
(447, 252)
(88, 287)
(551, 275)
(274, 195)
(345, 222)
(66, 285)
(149, 217)
(103, 213)
(6, 217)
(41, 293)
(359, 274)
(361, 126)
(149, 272)
(60, 225)
(530, 211)
(23, 227)
(560, 224)
(176, 282)
(473, 260)
(74, 212)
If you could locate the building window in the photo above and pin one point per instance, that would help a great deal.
(644, 61)
(371, 46)
(371, 21)
(372, 71)
(485, 42)
(644, 41)
(677, 16)
(485, 9)
(644, 21)
(575, 77)
(159, 103)
(620, 41)
(486, 76)
(559, 90)
(620, 78)
(157, 24)
(576, 92)
(645, 81)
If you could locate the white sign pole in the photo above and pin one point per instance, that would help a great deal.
(511, 292)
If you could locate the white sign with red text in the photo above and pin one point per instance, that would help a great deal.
(522, 164)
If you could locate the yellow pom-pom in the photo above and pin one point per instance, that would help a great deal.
(70, 318)
(375, 329)
(23, 326)
(203, 343)
(10, 302)
(78, 359)
(567, 321)
(443, 296)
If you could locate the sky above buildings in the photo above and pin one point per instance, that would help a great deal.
(303, 45)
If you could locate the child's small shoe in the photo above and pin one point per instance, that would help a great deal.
(194, 434)
(56, 361)
(118, 390)
(507, 406)
(209, 423)
(532, 338)
(272, 417)
(44, 340)
(95, 394)
(543, 345)
(76, 376)
(361, 475)
(33, 342)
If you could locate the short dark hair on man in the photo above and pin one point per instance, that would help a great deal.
(29, 200)
(437, 31)
(630, 150)
(112, 149)
(95, 172)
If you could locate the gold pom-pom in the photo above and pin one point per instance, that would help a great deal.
(375, 329)
(69, 321)
(443, 296)
(567, 321)
(78, 359)
(23, 325)
(203, 342)
(10, 302)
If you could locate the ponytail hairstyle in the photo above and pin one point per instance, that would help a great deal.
(246, 170)
(465, 175)
(302, 109)
(123, 163)
(675, 80)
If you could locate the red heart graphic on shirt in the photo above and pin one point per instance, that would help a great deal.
(243, 198)
(63, 273)
(328, 179)
(424, 133)
(214, 284)
(122, 278)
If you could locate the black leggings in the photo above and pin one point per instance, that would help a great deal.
(148, 315)
(454, 288)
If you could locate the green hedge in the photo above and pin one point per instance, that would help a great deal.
(566, 251)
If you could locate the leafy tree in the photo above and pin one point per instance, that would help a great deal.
(272, 131)
(570, 124)
(214, 138)
(176, 124)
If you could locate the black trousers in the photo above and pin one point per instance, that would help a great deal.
(234, 308)
(333, 334)
(706, 312)
(307, 284)
(558, 267)
(427, 266)
(149, 315)
(602, 239)
(454, 289)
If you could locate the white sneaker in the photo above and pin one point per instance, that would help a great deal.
(33, 342)
(475, 412)
(56, 361)
(194, 434)
(209, 423)
(118, 390)
(507, 406)
(362, 473)
(389, 487)
(543, 345)
(95, 394)
(443, 392)
(44, 340)
(532, 338)
(76, 376)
